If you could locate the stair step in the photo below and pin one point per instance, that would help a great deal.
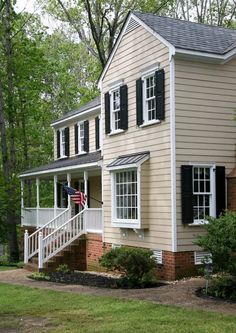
(31, 267)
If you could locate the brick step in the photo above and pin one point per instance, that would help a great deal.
(31, 267)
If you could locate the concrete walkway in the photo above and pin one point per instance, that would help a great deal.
(181, 293)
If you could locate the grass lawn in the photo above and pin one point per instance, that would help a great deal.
(7, 268)
(32, 310)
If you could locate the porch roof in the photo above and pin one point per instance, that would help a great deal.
(65, 164)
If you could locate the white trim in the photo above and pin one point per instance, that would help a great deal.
(80, 151)
(59, 170)
(116, 84)
(173, 155)
(118, 131)
(134, 17)
(61, 150)
(210, 56)
(150, 122)
(149, 69)
(116, 88)
(78, 115)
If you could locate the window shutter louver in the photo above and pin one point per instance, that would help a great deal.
(139, 102)
(67, 142)
(124, 107)
(97, 132)
(187, 194)
(76, 139)
(220, 190)
(86, 136)
(160, 94)
(58, 144)
(107, 113)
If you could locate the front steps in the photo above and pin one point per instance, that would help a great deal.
(74, 256)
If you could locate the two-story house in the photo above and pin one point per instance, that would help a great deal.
(154, 150)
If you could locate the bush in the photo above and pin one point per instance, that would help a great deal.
(135, 265)
(5, 260)
(223, 287)
(220, 241)
(39, 276)
(63, 268)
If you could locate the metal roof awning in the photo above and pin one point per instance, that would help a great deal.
(129, 161)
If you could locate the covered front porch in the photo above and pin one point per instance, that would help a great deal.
(43, 197)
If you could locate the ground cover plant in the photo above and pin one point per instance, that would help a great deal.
(220, 241)
(6, 264)
(32, 310)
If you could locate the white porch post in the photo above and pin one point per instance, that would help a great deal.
(22, 200)
(37, 197)
(68, 177)
(86, 188)
(55, 195)
(26, 246)
(40, 254)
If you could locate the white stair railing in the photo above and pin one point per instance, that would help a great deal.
(31, 244)
(57, 240)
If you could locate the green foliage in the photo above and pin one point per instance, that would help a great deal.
(223, 287)
(63, 268)
(136, 265)
(39, 276)
(220, 241)
(4, 260)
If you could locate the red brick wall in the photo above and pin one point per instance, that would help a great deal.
(231, 194)
(94, 250)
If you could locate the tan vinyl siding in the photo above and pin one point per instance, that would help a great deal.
(137, 51)
(205, 129)
(95, 189)
(92, 143)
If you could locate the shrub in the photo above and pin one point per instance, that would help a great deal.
(63, 268)
(220, 241)
(39, 276)
(4, 260)
(135, 265)
(223, 287)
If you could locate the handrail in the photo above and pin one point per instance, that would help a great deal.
(31, 248)
(61, 237)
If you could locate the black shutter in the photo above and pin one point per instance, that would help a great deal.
(88, 194)
(124, 107)
(58, 195)
(220, 190)
(65, 196)
(67, 142)
(139, 102)
(76, 139)
(160, 94)
(58, 144)
(97, 132)
(107, 113)
(86, 136)
(187, 193)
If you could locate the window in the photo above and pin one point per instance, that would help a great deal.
(116, 110)
(126, 195)
(202, 192)
(150, 97)
(63, 142)
(81, 137)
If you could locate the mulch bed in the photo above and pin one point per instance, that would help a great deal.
(200, 292)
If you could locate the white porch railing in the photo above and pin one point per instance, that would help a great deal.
(31, 242)
(29, 216)
(60, 238)
(93, 218)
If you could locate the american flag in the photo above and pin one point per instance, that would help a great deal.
(77, 196)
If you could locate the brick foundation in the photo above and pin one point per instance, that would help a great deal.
(231, 193)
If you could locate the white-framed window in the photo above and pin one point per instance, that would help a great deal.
(115, 109)
(126, 196)
(62, 142)
(203, 193)
(80, 137)
(149, 98)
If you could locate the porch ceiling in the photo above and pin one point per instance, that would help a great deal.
(73, 165)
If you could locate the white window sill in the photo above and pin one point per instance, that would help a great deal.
(149, 123)
(135, 224)
(62, 157)
(81, 153)
(116, 132)
(197, 223)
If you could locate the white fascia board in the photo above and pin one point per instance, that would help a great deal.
(59, 170)
(134, 17)
(206, 56)
(76, 116)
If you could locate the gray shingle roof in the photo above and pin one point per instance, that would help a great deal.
(77, 160)
(90, 105)
(191, 36)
